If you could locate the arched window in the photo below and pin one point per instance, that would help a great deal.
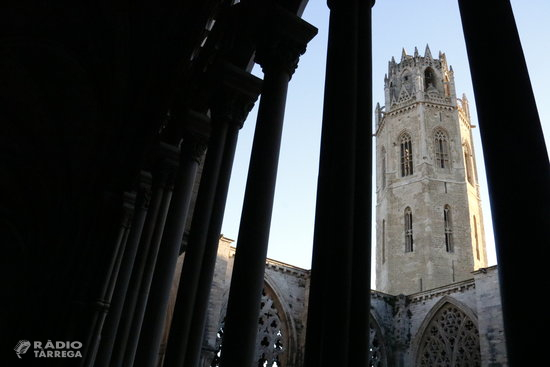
(448, 229)
(450, 339)
(429, 78)
(377, 349)
(383, 168)
(469, 164)
(406, 155)
(272, 339)
(441, 145)
(408, 230)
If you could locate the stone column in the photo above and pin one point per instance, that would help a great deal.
(119, 293)
(516, 163)
(237, 93)
(282, 40)
(192, 150)
(361, 253)
(341, 247)
(163, 177)
(103, 302)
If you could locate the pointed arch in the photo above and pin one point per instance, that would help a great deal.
(406, 150)
(429, 78)
(448, 336)
(377, 344)
(441, 149)
(276, 342)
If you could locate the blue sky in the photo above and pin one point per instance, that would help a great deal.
(396, 24)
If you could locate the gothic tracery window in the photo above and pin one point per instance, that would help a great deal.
(408, 230)
(450, 339)
(272, 335)
(406, 155)
(448, 228)
(377, 351)
(441, 143)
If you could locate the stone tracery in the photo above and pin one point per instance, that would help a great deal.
(271, 342)
(450, 339)
(377, 351)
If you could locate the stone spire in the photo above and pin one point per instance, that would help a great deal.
(428, 53)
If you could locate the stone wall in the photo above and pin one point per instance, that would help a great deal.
(400, 320)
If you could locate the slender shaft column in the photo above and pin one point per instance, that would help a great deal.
(119, 293)
(103, 301)
(195, 248)
(230, 107)
(343, 219)
(198, 323)
(361, 258)
(516, 162)
(152, 231)
(283, 40)
(192, 149)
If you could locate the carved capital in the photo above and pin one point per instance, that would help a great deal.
(167, 164)
(236, 95)
(195, 135)
(193, 145)
(282, 40)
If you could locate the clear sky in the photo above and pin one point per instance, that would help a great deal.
(396, 24)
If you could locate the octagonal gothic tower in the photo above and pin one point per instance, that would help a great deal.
(428, 211)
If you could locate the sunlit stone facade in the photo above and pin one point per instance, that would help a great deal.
(429, 225)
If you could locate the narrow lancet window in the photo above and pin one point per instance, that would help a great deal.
(406, 155)
(429, 78)
(408, 230)
(383, 169)
(441, 143)
(448, 229)
(469, 164)
(383, 241)
(476, 239)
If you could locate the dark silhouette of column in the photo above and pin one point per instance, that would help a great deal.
(516, 159)
(192, 150)
(102, 303)
(282, 40)
(337, 326)
(119, 293)
(128, 330)
(361, 253)
(237, 92)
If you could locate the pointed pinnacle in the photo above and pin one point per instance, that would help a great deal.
(428, 53)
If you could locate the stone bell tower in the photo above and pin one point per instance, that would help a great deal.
(429, 224)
